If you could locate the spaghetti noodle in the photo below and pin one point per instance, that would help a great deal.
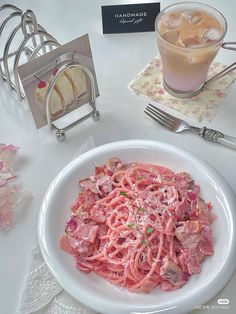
(139, 225)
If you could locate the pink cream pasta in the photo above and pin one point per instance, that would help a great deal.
(139, 226)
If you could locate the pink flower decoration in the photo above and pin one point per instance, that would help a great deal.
(6, 155)
(144, 85)
(219, 93)
(157, 62)
(146, 73)
(10, 195)
(161, 91)
(11, 148)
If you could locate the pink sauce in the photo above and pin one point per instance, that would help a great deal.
(139, 226)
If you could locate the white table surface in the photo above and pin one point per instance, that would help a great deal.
(118, 59)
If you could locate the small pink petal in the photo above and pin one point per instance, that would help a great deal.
(3, 181)
(6, 156)
(10, 195)
(12, 148)
(3, 146)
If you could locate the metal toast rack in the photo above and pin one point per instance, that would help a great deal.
(34, 42)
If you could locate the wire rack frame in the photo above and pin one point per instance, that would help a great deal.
(41, 43)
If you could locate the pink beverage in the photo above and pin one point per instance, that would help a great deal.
(189, 36)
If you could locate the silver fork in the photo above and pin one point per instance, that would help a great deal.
(177, 125)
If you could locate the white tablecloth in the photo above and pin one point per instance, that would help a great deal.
(118, 59)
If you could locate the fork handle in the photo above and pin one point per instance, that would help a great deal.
(218, 137)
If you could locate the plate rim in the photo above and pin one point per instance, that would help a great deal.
(178, 308)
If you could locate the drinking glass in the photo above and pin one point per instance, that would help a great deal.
(185, 66)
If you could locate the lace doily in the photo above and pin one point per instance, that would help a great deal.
(42, 294)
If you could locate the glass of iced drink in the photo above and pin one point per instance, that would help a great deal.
(189, 35)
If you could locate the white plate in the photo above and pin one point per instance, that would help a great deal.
(96, 292)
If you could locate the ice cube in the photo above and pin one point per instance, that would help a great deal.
(192, 42)
(196, 19)
(171, 36)
(193, 17)
(211, 34)
(172, 20)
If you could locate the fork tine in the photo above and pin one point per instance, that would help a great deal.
(163, 113)
(167, 123)
(160, 116)
(157, 119)
(159, 113)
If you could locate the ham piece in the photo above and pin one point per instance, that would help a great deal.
(172, 273)
(140, 226)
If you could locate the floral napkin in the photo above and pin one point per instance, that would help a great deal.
(201, 107)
